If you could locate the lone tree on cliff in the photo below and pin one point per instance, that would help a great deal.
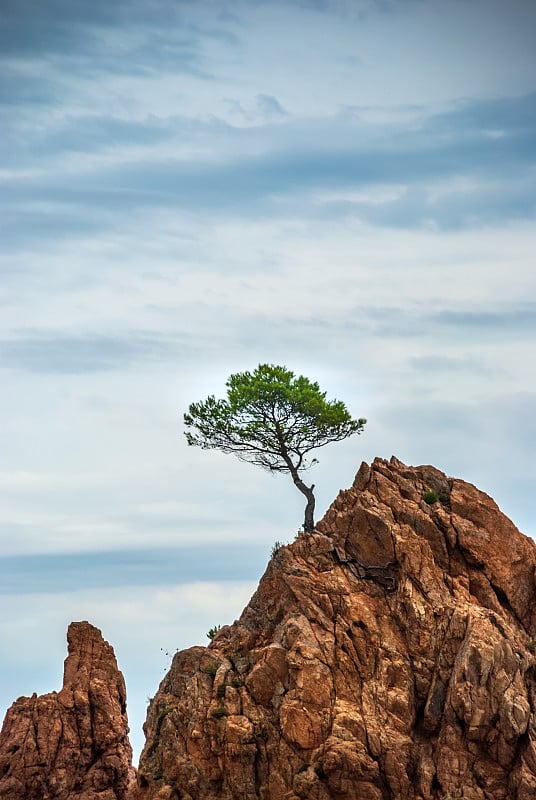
(273, 419)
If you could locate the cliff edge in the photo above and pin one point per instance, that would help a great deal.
(389, 656)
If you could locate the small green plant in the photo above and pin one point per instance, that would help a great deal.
(430, 497)
(210, 669)
(220, 691)
(276, 547)
(213, 631)
(219, 712)
(159, 774)
(236, 683)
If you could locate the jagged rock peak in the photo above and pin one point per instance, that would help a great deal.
(389, 656)
(72, 744)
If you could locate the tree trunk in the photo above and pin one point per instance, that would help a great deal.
(309, 522)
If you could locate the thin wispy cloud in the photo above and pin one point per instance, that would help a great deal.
(285, 179)
(44, 574)
(58, 353)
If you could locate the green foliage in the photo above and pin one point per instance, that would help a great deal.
(210, 669)
(276, 547)
(273, 419)
(430, 497)
(270, 418)
(213, 631)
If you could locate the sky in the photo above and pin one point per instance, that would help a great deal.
(190, 189)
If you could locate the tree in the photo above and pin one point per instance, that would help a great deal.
(273, 419)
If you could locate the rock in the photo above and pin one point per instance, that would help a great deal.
(390, 655)
(72, 744)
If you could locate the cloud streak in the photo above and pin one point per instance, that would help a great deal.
(495, 170)
(46, 574)
(54, 353)
(75, 355)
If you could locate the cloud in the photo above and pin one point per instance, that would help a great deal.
(270, 105)
(42, 574)
(392, 322)
(124, 37)
(90, 133)
(499, 117)
(518, 321)
(445, 365)
(20, 89)
(59, 353)
(53, 353)
(450, 173)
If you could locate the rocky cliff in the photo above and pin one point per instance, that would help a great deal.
(73, 744)
(390, 656)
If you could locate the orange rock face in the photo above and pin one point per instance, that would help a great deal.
(390, 656)
(71, 745)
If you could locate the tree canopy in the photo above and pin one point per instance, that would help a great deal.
(274, 419)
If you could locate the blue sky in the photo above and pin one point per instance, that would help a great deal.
(190, 189)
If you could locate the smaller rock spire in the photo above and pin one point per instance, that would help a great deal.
(72, 744)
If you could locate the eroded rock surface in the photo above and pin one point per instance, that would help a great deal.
(72, 744)
(390, 656)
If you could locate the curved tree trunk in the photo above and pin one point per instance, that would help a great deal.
(309, 522)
